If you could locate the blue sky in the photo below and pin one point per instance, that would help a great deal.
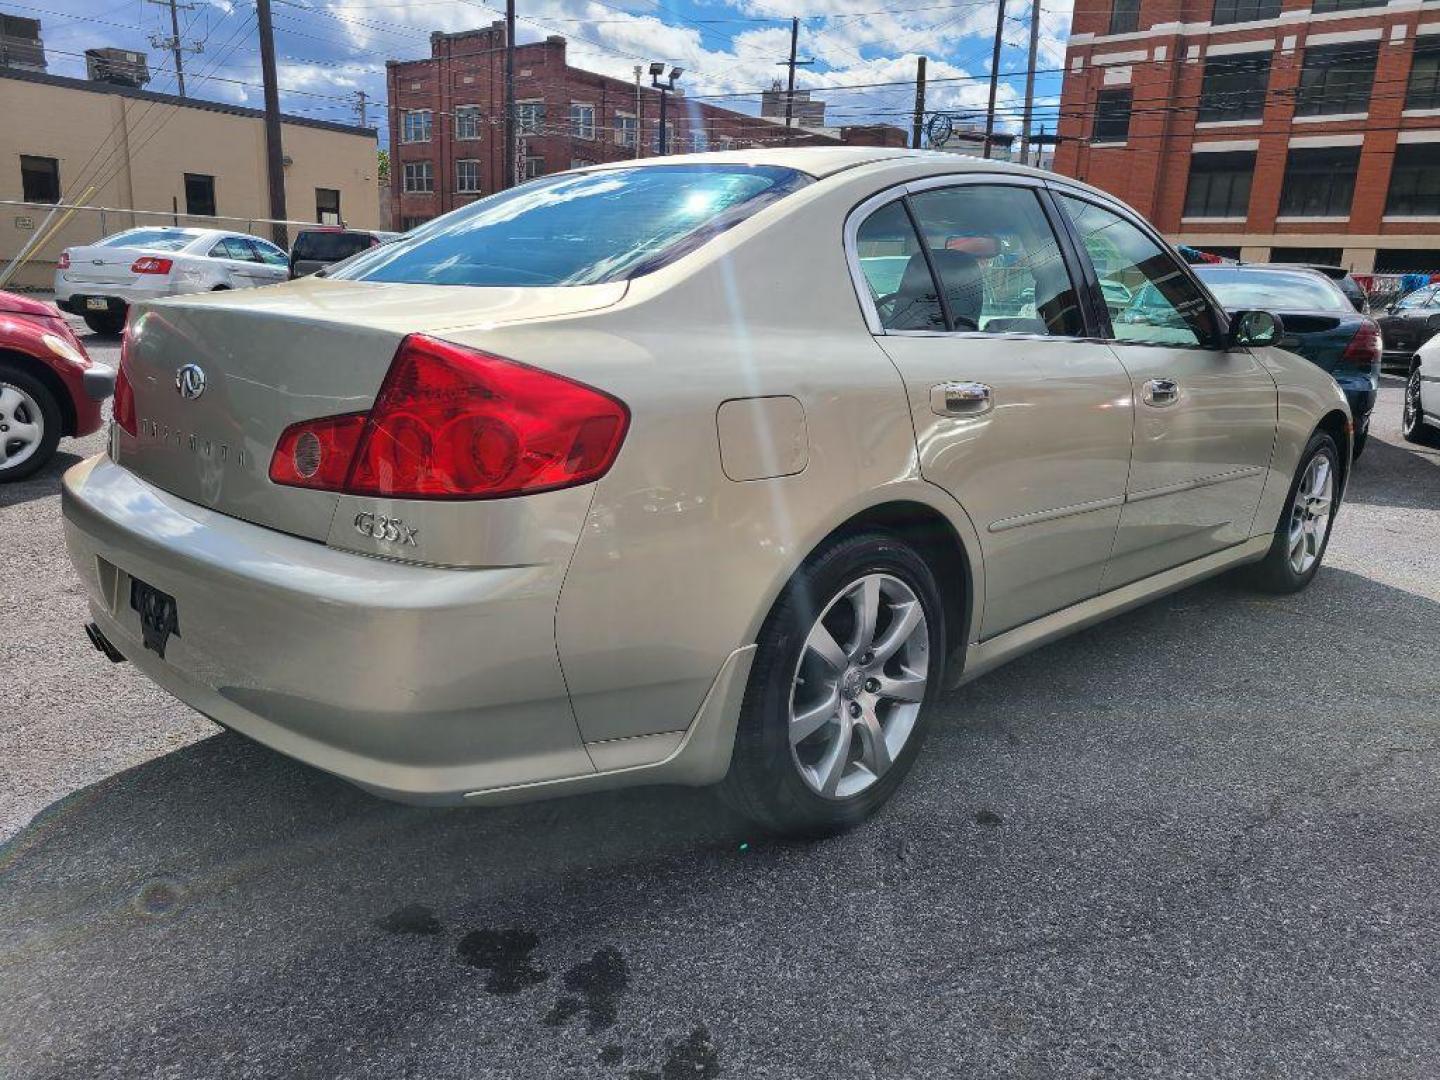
(864, 50)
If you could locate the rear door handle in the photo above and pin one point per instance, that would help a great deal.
(961, 399)
(1161, 392)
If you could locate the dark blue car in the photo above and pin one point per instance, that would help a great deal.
(1321, 324)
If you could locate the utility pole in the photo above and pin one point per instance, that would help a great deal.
(509, 180)
(360, 113)
(792, 63)
(274, 152)
(1030, 81)
(177, 48)
(639, 110)
(994, 76)
(919, 104)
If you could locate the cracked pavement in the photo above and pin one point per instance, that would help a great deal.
(1198, 840)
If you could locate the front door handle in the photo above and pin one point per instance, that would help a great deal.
(961, 399)
(1161, 392)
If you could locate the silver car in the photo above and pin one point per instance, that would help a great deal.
(100, 281)
(717, 469)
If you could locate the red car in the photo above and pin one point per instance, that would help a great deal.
(49, 387)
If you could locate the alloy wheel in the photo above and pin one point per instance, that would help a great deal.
(1310, 514)
(1410, 417)
(859, 685)
(22, 426)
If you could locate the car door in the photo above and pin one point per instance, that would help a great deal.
(1204, 418)
(272, 264)
(1019, 412)
(233, 264)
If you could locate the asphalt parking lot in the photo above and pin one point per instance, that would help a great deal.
(1199, 840)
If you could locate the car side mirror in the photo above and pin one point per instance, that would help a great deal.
(1255, 329)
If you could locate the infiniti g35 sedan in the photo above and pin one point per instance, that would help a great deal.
(712, 469)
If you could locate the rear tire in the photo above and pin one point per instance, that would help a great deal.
(1412, 421)
(857, 702)
(29, 423)
(105, 322)
(1303, 532)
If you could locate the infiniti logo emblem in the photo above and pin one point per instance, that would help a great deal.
(190, 381)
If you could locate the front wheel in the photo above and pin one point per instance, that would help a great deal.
(1412, 419)
(29, 424)
(1304, 529)
(846, 669)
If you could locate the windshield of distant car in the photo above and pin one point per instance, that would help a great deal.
(1238, 288)
(154, 239)
(578, 228)
(330, 246)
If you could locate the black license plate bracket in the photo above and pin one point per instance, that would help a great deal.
(159, 615)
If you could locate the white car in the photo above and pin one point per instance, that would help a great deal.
(1420, 422)
(101, 281)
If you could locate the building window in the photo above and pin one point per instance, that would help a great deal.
(40, 178)
(1423, 91)
(415, 125)
(412, 222)
(467, 122)
(529, 117)
(625, 128)
(1415, 180)
(699, 141)
(534, 166)
(1220, 185)
(1234, 87)
(1112, 117)
(1319, 182)
(327, 206)
(199, 195)
(467, 176)
(1233, 11)
(727, 142)
(1336, 79)
(669, 139)
(419, 177)
(1319, 7)
(580, 163)
(582, 120)
(1125, 16)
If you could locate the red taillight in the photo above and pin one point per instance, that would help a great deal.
(64, 263)
(124, 404)
(455, 423)
(148, 264)
(1364, 348)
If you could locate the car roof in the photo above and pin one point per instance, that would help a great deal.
(821, 161)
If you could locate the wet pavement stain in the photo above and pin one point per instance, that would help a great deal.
(697, 1058)
(988, 818)
(599, 982)
(410, 919)
(611, 1055)
(506, 954)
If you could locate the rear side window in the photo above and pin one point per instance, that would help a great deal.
(330, 246)
(154, 239)
(994, 252)
(578, 229)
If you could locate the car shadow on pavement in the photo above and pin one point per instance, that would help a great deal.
(42, 484)
(225, 911)
(1401, 475)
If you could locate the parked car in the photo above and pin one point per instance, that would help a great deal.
(1320, 324)
(585, 484)
(49, 386)
(1409, 323)
(1420, 417)
(314, 249)
(1354, 292)
(101, 281)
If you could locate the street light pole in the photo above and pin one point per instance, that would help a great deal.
(656, 70)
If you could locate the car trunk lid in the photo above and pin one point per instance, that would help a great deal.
(217, 378)
(103, 265)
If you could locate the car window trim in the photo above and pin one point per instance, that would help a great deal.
(902, 192)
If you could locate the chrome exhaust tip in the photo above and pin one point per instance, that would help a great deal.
(102, 644)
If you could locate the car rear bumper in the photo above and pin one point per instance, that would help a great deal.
(72, 296)
(1360, 391)
(419, 683)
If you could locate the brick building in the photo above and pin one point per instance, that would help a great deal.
(447, 121)
(1293, 130)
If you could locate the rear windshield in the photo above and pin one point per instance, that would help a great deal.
(578, 228)
(1272, 289)
(329, 246)
(154, 239)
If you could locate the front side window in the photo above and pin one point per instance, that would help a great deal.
(1415, 180)
(1124, 16)
(529, 116)
(1219, 184)
(199, 195)
(419, 177)
(993, 252)
(578, 228)
(1112, 117)
(467, 122)
(467, 176)
(1150, 297)
(1336, 79)
(582, 121)
(415, 125)
(1319, 181)
(269, 253)
(1234, 88)
(1233, 11)
(40, 179)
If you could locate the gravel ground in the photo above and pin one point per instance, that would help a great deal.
(1198, 840)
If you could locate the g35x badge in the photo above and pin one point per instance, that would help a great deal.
(389, 529)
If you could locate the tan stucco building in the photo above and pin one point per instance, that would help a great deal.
(187, 159)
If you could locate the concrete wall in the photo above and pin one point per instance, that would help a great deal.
(139, 149)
